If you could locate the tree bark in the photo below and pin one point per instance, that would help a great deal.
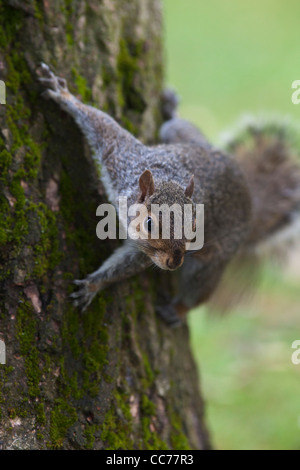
(114, 377)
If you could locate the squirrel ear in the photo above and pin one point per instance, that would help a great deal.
(146, 185)
(190, 187)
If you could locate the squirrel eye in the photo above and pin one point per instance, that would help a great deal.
(149, 224)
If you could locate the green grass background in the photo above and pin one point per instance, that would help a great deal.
(226, 58)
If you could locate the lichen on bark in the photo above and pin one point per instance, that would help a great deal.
(114, 377)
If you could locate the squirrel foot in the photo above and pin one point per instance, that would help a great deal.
(169, 315)
(169, 104)
(84, 296)
(56, 86)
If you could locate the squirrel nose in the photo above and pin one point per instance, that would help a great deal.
(173, 263)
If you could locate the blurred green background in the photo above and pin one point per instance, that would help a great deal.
(226, 59)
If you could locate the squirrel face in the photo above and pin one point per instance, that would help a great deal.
(163, 231)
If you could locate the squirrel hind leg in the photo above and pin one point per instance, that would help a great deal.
(180, 131)
(169, 104)
(176, 130)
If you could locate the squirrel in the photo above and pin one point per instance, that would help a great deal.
(250, 193)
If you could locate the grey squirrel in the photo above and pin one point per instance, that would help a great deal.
(250, 195)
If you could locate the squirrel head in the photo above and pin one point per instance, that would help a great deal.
(164, 238)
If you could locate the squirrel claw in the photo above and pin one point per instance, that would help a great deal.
(54, 85)
(79, 282)
(84, 296)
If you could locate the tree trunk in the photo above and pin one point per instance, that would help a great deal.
(114, 377)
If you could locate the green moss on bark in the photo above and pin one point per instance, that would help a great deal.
(63, 417)
(26, 334)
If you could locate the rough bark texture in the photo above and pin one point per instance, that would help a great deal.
(114, 377)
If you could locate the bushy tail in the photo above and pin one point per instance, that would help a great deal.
(268, 152)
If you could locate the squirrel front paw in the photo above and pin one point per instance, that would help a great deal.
(85, 294)
(169, 315)
(56, 87)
